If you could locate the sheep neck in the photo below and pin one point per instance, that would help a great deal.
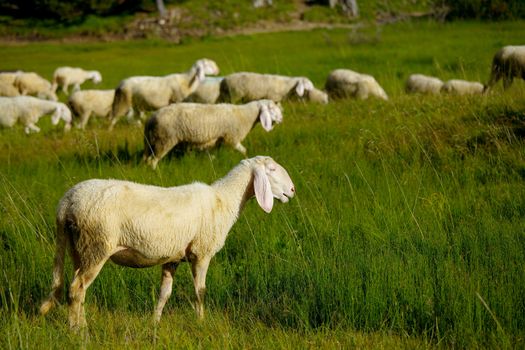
(235, 189)
(49, 106)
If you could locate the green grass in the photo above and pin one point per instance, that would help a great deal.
(406, 231)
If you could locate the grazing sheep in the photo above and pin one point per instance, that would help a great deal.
(34, 85)
(423, 84)
(86, 102)
(245, 87)
(345, 83)
(139, 225)
(208, 91)
(204, 125)
(65, 76)
(462, 87)
(151, 93)
(508, 63)
(27, 110)
(8, 90)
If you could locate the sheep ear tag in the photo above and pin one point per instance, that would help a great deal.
(262, 189)
(266, 118)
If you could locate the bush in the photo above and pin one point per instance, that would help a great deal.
(485, 9)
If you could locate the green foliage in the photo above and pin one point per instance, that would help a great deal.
(486, 9)
(406, 231)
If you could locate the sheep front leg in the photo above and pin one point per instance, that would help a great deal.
(31, 128)
(199, 268)
(239, 147)
(165, 288)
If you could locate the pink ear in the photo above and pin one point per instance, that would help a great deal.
(262, 188)
(265, 117)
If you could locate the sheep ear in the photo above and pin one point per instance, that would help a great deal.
(299, 88)
(262, 189)
(200, 73)
(265, 117)
(55, 118)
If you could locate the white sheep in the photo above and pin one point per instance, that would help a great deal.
(423, 84)
(144, 93)
(462, 87)
(8, 90)
(345, 83)
(84, 103)
(139, 225)
(27, 110)
(208, 91)
(66, 76)
(508, 63)
(34, 85)
(245, 87)
(203, 125)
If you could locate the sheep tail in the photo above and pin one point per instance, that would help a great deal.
(58, 271)
(121, 103)
(224, 95)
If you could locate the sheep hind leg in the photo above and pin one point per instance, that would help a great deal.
(168, 270)
(199, 268)
(77, 293)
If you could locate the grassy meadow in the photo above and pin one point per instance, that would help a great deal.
(407, 230)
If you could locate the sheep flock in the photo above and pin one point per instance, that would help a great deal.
(140, 225)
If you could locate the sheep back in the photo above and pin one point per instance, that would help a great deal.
(246, 87)
(199, 124)
(345, 83)
(158, 223)
(419, 83)
(97, 102)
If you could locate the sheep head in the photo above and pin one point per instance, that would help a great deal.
(269, 112)
(95, 76)
(316, 95)
(303, 84)
(207, 67)
(61, 112)
(270, 180)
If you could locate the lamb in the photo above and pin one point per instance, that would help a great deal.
(208, 91)
(34, 85)
(8, 90)
(246, 87)
(151, 93)
(65, 76)
(84, 103)
(28, 110)
(138, 225)
(508, 63)
(423, 84)
(462, 87)
(204, 125)
(345, 83)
